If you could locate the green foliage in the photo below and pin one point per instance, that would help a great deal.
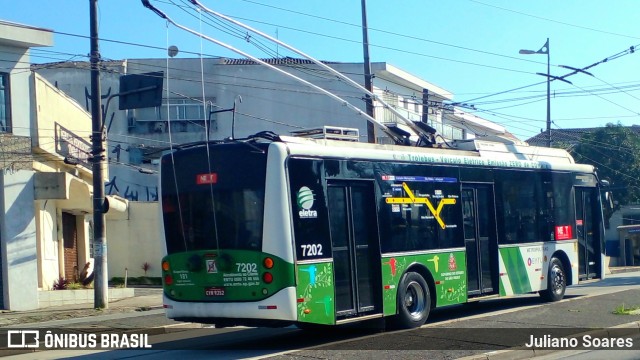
(60, 284)
(615, 151)
(75, 286)
(624, 310)
(64, 284)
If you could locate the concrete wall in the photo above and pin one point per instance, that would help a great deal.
(18, 234)
(133, 238)
(18, 58)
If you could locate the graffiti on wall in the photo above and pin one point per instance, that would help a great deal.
(150, 192)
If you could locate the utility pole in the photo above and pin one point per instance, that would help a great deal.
(101, 291)
(548, 94)
(545, 50)
(371, 130)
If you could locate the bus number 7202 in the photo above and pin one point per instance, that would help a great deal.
(311, 250)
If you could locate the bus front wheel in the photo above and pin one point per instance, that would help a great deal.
(414, 301)
(556, 281)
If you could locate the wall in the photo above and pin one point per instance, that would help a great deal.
(614, 242)
(19, 83)
(18, 234)
(133, 238)
(62, 126)
(270, 101)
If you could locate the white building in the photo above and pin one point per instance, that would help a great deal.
(263, 99)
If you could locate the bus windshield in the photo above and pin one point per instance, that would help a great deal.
(216, 206)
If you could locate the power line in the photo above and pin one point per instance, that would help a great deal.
(628, 51)
(392, 33)
(555, 21)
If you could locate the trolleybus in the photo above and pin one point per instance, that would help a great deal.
(273, 230)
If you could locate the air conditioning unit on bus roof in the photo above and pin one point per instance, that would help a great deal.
(330, 133)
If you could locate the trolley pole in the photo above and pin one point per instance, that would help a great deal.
(101, 291)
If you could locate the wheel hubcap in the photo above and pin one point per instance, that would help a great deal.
(414, 300)
(558, 279)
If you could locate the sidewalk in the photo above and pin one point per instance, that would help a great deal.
(588, 308)
(145, 301)
(622, 269)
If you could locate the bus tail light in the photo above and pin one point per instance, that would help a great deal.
(268, 263)
(165, 265)
(168, 280)
(267, 277)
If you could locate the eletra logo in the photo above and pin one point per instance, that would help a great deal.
(305, 199)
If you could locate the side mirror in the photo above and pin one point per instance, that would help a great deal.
(608, 197)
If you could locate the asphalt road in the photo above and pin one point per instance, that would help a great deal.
(456, 332)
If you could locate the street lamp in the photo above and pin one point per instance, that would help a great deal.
(545, 50)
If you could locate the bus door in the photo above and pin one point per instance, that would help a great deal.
(480, 239)
(356, 253)
(587, 233)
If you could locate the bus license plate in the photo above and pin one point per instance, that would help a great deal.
(214, 291)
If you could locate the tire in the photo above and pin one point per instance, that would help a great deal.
(414, 302)
(556, 281)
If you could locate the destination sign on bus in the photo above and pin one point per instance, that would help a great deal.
(203, 179)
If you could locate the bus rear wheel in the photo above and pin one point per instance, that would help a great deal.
(414, 301)
(556, 281)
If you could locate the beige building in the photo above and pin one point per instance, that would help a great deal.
(64, 202)
(46, 187)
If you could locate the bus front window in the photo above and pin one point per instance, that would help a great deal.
(212, 220)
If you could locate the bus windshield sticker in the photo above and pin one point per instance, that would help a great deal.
(305, 199)
(211, 267)
(412, 199)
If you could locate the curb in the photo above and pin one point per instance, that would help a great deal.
(150, 310)
(517, 353)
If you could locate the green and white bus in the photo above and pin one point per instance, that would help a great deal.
(271, 230)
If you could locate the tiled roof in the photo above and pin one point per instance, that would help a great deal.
(274, 61)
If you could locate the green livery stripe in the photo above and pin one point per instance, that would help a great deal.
(221, 275)
(516, 270)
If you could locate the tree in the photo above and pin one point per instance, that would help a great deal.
(615, 152)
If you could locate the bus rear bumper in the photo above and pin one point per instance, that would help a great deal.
(281, 306)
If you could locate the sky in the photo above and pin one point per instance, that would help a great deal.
(467, 47)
